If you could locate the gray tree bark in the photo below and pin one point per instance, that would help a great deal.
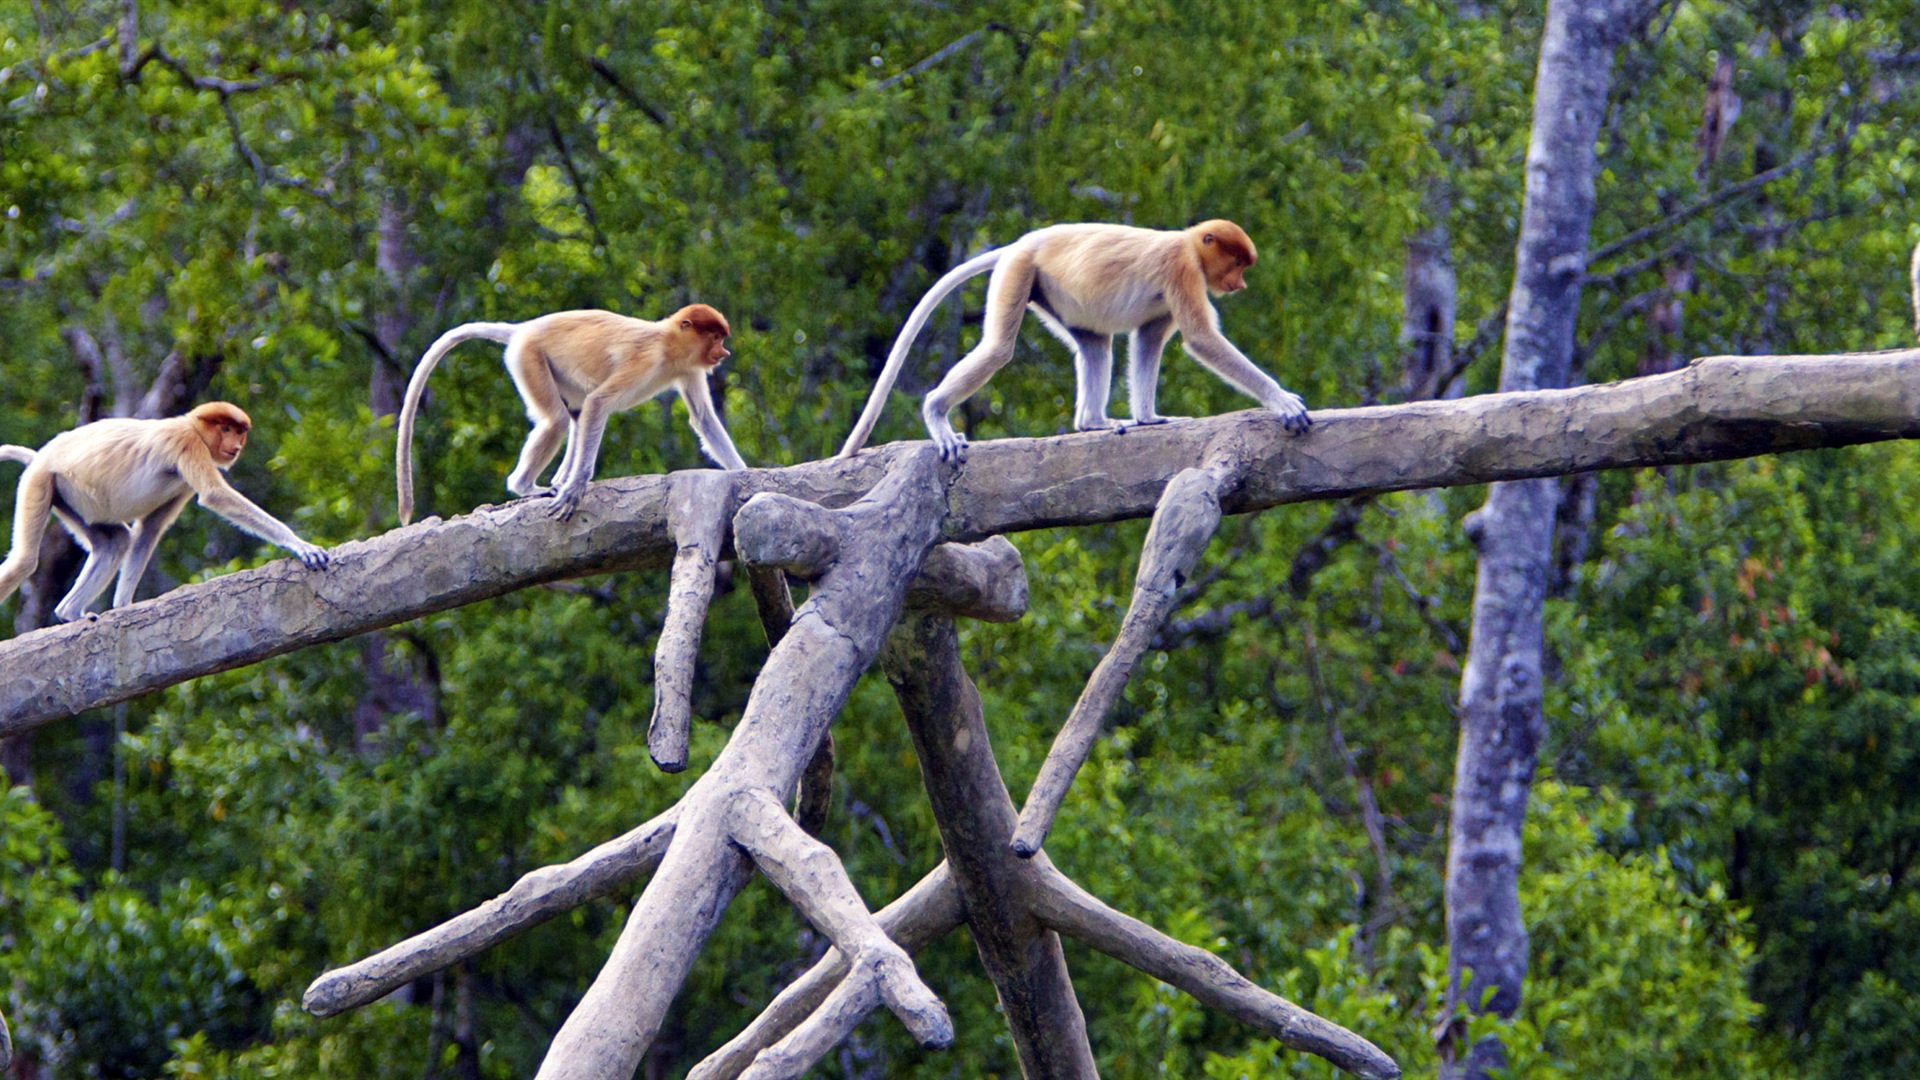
(1501, 705)
(864, 561)
(1718, 408)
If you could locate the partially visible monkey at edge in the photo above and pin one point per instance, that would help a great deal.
(575, 369)
(118, 484)
(1086, 283)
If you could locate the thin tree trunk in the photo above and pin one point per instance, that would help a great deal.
(1501, 714)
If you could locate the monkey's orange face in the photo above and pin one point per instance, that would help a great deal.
(716, 350)
(225, 440)
(1226, 259)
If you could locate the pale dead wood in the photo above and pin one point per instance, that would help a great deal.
(1724, 407)
(975, 814)
(549, 891)
(1183, 525)
(699, 504)
(805, 681)
(809, 874)
(923, 914)
(1072, 911)
(539, 895)
(985, 581)
(1014, 908)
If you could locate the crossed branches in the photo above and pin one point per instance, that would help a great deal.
(865, 563)
(868, 562)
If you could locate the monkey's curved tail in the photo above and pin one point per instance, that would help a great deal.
(417, 388)
(21, 454)
(916, 322)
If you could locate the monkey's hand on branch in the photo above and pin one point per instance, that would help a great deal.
(952, 444)
(1292, 411)
(313, 555)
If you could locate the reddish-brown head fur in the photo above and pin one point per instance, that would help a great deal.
(223, 426)
(1225, 253)
(707, 324)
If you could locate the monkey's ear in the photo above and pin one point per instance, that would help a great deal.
(686, 324)
(1207, 239)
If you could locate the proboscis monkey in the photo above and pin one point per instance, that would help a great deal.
(1088, 283)
(118, 484)
(575, 369)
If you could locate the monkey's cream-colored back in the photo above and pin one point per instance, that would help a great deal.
(584, 347)
(1105, 278)
(126, 475)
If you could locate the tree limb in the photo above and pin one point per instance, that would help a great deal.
(699, 504)
(1719, 408)
(1183, 524)
(538, 896)
(1208, 979)
(923, 914)
(804, 683)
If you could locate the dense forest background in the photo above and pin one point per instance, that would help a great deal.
(281, 205)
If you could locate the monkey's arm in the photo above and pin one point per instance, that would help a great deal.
(1200, 329)
(146, 536)
(706, 422)
(219, 496)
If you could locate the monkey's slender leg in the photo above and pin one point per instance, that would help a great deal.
(32, 503)
(1093, 371)
(1143, 371)
(533, 377)
(106, 546)
(585, 451)
(1007, 293)
(566, 459)
(146, 536)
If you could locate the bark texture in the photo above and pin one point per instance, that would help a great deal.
(1725, 407)
(699, 503)
(865, 559)
(1501, 703)
(976, 817)
(733, 817)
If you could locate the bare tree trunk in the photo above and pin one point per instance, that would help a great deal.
(1430, 293)
(395, 681)
(1021, 955)
(1501, 712)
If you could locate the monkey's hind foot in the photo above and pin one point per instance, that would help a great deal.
(1125, 426)
(566, 502)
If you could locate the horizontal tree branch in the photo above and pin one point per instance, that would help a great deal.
(1719, 408)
